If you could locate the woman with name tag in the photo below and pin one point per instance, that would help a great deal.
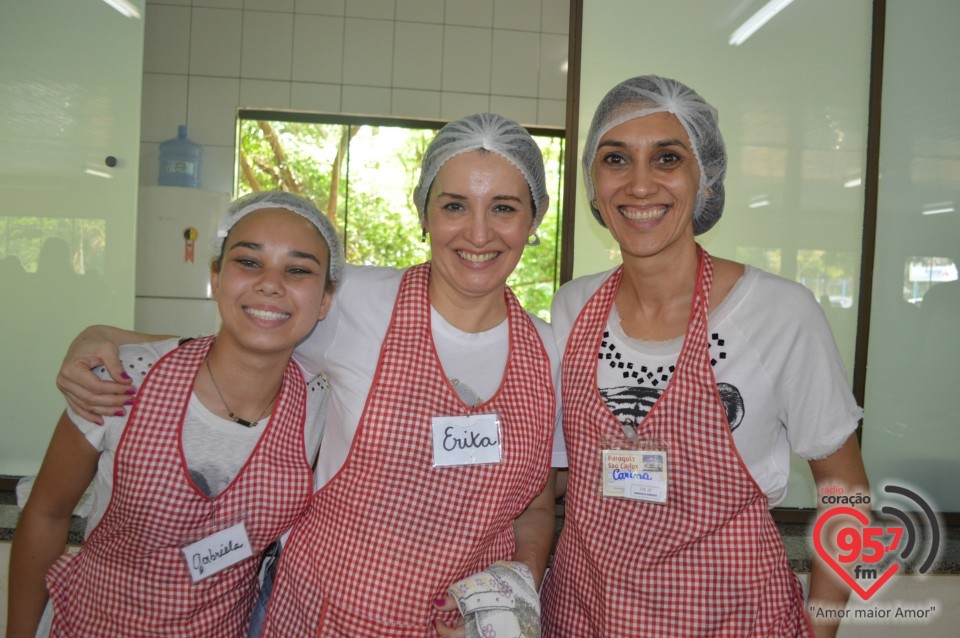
(434, 510)
(687, 381)
(210, 465)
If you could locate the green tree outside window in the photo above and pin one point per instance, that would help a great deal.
(363, 177)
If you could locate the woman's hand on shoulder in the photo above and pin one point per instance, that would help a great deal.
(86, 394)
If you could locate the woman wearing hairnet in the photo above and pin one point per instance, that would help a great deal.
(434, 487)
(687, 381)
(186, 474)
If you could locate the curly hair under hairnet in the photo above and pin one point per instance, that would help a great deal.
(647, 94)
(490, 132)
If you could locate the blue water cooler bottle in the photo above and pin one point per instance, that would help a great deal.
(180, 161)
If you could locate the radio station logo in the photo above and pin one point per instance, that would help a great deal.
(866, 556)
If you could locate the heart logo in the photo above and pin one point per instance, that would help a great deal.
(862, 543)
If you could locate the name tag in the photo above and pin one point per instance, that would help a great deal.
(640, 475)
(466, 440)
(217, 552)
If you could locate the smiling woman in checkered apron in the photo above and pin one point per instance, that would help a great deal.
(211, 465)
(397, 519)
(671, 474)
(434, 508)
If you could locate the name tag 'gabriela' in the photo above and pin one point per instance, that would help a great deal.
(217, 552)
(466, 440)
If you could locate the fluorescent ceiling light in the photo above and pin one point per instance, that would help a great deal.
(759, 203)
(125, 7)
(96, 173)
(754, 22)
(938, 211)
(852, 183)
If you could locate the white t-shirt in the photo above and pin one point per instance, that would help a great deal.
(215, 448)
(777, 367)
(346, 348)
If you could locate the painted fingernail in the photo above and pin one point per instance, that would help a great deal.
(128, 402)
(119, 413)
(124, 375)
(130, 391)
(440, 602)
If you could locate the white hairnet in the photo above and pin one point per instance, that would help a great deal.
(490, 132)
(649, 94)
(243, 206)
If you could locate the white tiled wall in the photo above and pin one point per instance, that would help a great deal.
(435, 59)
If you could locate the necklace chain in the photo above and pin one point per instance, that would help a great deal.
(233, 416)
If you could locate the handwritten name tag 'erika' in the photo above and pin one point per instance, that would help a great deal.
(466, 440)
(215, 553)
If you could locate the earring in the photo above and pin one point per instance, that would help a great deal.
(423, 237)
(533, 240)
(595, 204)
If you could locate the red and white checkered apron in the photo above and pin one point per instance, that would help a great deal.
(710, 561)
(389, 533)
(130, 577)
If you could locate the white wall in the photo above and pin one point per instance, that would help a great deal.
(434, 59)
(911, 402)
(70, 77)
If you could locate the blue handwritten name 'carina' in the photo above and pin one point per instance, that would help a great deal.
(620, 475)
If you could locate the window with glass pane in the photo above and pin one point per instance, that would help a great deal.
(363, 176)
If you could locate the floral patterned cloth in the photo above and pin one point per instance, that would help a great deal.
(501, 602)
